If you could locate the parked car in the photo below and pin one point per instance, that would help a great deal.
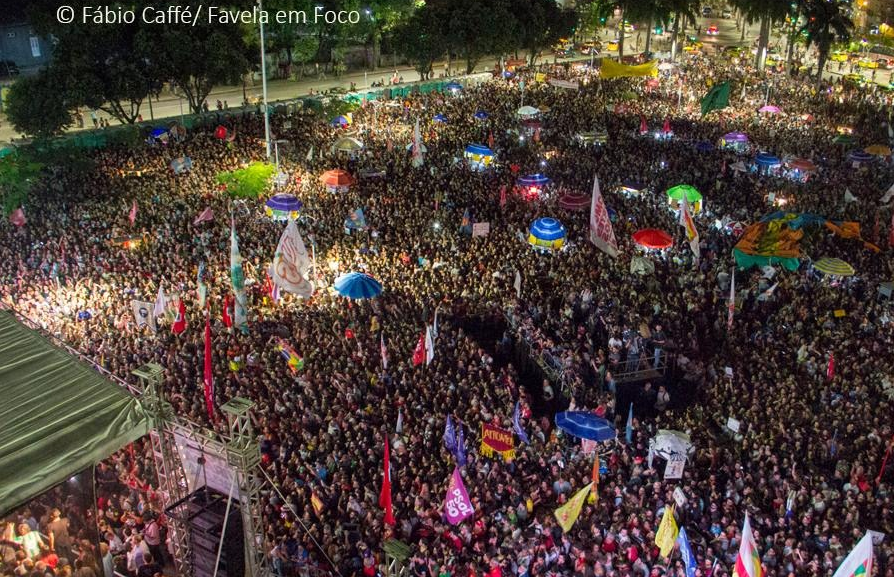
(727, 13)
(706, 11)
(855, 79)
(838, 56)
(867, 63)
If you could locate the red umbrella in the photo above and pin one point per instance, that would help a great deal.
(643, 127)
(802, 164)
(574, 201)
(337, 177)
(652, 238)
(220, 133)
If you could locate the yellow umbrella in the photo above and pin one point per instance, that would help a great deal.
(878, 150)
(833, 266)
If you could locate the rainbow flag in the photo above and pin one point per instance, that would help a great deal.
(748, 561)
(295, 362)
(858, 563)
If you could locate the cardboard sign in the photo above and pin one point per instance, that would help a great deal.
(674, 467)
(480, 229)
(568, 84)
(679, 497)
(839, 313)
(733, 425)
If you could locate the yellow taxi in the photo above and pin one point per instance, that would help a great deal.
(612, 45)
(867, 63)
(693, 47)
(839, 56)
(855, 79)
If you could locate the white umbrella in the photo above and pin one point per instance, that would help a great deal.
(665, 66)
(667, 443)
(528, 111)
(347, 144)
(641, 265)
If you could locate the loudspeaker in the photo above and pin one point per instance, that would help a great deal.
(202, 513)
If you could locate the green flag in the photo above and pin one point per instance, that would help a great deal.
(716, 98)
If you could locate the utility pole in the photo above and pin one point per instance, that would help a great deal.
(264, 85)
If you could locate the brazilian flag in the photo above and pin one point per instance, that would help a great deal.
(716, 98)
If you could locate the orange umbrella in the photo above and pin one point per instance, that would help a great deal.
(337, 178)
(802, 164)
(652, 238)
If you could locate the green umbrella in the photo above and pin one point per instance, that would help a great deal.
(677, 192)
(834, 266)
(843, 139)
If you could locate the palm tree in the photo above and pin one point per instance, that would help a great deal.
(826, 22)
(766, 12)
(684, 12)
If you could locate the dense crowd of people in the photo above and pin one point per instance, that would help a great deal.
(804, 464)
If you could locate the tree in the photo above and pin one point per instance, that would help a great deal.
(36, 107)
(195, 59)
(766, 12)
(540, 23)
(380, 19)
(826, 22)
(18, 174)
(475, 29)
(421, 39)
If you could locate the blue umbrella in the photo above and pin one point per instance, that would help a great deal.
(547, 229)
(358, 285)
(284, 203)
(534, 180)
(159, 132)
(440, 118)
(859, 156)
(453, 86)
(767, 159)
(479, 149)
(585, 426)
(339, 121)
(480, 115)
(507, 74)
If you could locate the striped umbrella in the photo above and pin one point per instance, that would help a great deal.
(859, 156)
(767, 159)
(833, 266)
(574, 201)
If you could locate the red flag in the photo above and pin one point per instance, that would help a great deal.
(490, 140)
(384, 351)
(385, 494)
(133, 213)
(227, 319)
(830, 370)
(18, 217)
(209, 376)
(502, 196)
(180, 324)
(643, 127)
(207, 215)
(419, 353)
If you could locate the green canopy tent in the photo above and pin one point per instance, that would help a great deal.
(58, 415)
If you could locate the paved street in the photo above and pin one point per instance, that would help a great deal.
(169, 106)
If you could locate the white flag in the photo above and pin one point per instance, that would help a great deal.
(888, 195)
(731, 306)
(399, 428)
(859, 561)
(434, 329)
(161, 303)
(848, 196)
(291, 264)
(384, 351)
(601, 233)
(517, 284)
(417, 147)
(143, 313)
(689, 224)
(429, 346)
(310, 154)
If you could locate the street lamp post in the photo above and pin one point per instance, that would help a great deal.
(264, 84)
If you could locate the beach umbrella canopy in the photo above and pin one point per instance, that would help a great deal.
(802, 164)
(527, 111)
(347, 144)
(641, 265)
(585, 425)
(767, 159)
(440, 118)
(479, 149)
(358, 285)
(480, 115)
(652, 238)
(735, 137)
(455, 86)
(770, 109)
(843, 139)
(878, 150)
(284, 203)
(574, 201)
(677, 192)
(340, 121)
(547, 229)
(159, 132)
(531, 123)
(337, 177)
(666, 66)
(834, 266)
(859, 156)
(667, 443)
(633, 185)
(534, 180)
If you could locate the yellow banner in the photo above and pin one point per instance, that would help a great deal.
(539, 77)
(612, 69)
(667, 532)
(568, 513)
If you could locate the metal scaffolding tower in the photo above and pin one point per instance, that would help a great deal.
(239, 449)
(244, 455)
